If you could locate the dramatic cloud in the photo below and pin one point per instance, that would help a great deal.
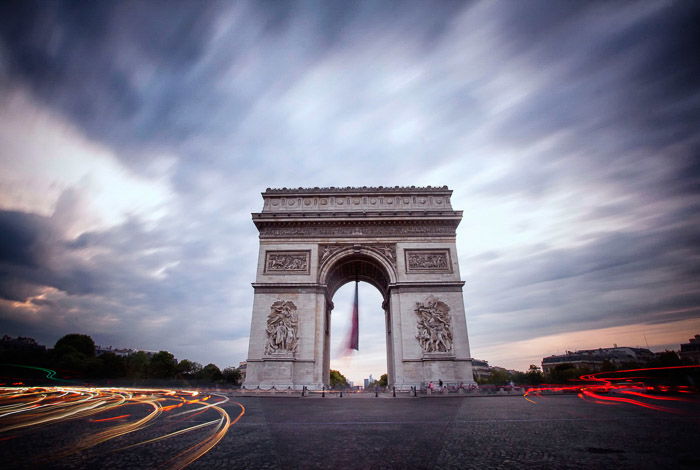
(136, 138)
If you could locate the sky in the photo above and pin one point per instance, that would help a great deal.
(136, 137)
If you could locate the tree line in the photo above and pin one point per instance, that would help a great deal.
(339, 381)
(74, 357)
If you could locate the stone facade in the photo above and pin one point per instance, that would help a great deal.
(314, 240)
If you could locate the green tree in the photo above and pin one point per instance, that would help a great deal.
(498, 377)
(137, 365)
(163, 365)
(74, 354)
(232, 375)
(534, 375)
(113, 366)
(188, 369)
(565, 374)
(82, 344)
(383, 380)
(210, 373)
(338, 380)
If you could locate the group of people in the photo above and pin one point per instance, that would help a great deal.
(441, 386)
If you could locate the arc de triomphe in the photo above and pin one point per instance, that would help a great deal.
(401, 240)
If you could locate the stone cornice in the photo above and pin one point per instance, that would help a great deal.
(355, 216)
(429, 285)
(356, 189)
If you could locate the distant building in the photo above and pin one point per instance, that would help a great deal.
(691, 349)
(481, 369)
(368, 381)
(593, 359)
(99, 350)
(20, 343)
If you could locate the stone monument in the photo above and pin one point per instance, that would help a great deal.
(399, 239)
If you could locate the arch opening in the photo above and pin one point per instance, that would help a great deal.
(371, 358)
(375, 316)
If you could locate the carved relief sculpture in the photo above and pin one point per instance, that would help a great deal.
(345, 231)
(282, 326)
(327, 250)
(287, 262)
(418, 261)
(434, 328)
(387, 250)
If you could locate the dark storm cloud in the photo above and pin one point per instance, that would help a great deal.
(614, 89)
(163, 79)
(30, 247)
(21, 235)
(120, 283)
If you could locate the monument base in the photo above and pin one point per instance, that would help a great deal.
(282, 373)
(434, 368)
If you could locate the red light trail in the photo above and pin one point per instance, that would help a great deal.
(605, 387)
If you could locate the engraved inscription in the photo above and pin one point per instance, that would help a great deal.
(282, 329)
(286, 262)
(434, 327)
(432, 261)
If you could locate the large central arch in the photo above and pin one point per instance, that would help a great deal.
(362, 264)
(400, 240)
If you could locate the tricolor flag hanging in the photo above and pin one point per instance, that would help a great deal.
(354, 342)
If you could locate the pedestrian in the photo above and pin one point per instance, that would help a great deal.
(431, 386)
(442, 387)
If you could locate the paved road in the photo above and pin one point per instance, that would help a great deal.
(343, 433)
(483, 433)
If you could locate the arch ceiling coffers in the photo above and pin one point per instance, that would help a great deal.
(383, 254)
(358, 268)
(342, 264)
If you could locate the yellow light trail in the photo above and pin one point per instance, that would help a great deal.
(32, 408)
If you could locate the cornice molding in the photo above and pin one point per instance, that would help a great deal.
(357, 189)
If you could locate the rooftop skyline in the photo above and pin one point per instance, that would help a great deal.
(138, 136)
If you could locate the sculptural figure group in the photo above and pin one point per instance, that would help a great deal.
(434, 329)
(282, 325)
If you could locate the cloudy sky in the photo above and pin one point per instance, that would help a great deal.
(136, 137)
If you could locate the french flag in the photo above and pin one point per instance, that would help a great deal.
(354, 341)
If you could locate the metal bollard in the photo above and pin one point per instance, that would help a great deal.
(376, 392)
(341, 394)
(303, 389)
(394, 391)
(323, 391)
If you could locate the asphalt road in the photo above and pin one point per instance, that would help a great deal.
(446, 432)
